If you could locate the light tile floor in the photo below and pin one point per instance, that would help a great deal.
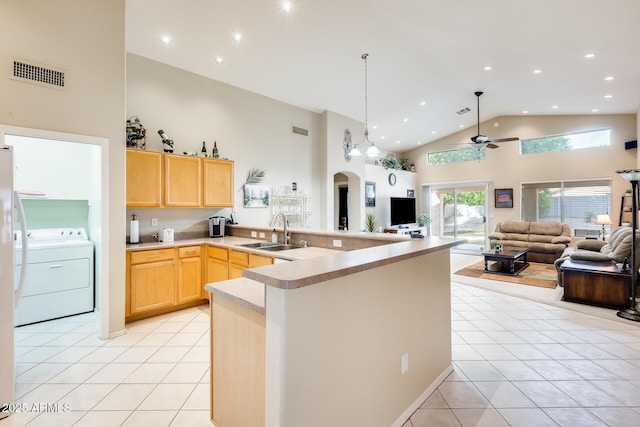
(517, 362)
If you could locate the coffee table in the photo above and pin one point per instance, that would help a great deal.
(509, 261)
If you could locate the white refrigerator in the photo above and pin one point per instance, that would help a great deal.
(9, 293)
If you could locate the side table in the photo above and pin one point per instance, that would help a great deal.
(596, 283)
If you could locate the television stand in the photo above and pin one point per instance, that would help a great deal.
(406, 229)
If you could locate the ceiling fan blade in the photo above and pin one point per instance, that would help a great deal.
(503, 139)
(490, 145)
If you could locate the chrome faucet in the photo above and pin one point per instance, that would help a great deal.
(285, 226)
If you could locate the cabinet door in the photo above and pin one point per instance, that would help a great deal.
(218, 183)
(144, 179)
(217, 270)
(259, 260)
(235, 271)
(152, 286)
(183, 180)
(189, 279)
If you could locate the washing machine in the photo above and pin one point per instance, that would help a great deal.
(59, 275)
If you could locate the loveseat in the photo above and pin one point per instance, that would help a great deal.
(616, 250)
(546, 241)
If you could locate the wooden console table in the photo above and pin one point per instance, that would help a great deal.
(596, 283)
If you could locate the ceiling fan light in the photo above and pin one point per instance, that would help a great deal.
(481, 138)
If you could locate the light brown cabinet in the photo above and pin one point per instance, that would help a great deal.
(157, 180)
(144, 179)
(217, 183)
(152, 280)
(190, 286)
(183, 181)
(217, 264)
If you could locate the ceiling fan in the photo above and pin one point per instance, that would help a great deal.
(482, 141)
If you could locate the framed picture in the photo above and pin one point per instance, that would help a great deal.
(256, 196)
(504, 197)
(410, 193)
(370, 194)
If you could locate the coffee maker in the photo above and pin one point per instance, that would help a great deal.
(216, 226)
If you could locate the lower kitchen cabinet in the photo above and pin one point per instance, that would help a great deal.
(217, 264)
(152, 281)
(190, 286)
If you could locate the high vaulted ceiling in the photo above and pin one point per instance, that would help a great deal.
(428, 52)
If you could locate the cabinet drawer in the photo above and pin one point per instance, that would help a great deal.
(239, 258)
(218, 253)
(259, 260)
(139, 257)
(189, 251)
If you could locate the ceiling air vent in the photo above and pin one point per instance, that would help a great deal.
(300, 131)
(465, 110)
(37, 74)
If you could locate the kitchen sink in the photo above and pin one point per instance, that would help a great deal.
(270, 246)
(260, 245)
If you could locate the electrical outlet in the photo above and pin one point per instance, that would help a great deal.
(254, 234)
(405, 363)
(154, 222)
(337, 243)
(262, 236)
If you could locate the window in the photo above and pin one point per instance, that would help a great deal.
(572, 141)
(453, 156)
(576, 203)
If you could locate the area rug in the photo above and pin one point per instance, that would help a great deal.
(543, 275)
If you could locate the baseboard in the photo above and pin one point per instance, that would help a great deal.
(420, 400)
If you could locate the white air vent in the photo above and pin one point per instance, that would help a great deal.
(37, 74)
(300, 131)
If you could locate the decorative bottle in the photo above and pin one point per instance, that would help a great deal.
(167, 144)
(204, 149)
(215, 150)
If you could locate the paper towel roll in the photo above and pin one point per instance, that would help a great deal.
(134, 231)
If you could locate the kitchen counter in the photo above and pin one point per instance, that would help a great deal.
(233, 242)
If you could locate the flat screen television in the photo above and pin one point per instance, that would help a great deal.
(403, 210)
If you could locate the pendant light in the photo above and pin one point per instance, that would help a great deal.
(372, 150)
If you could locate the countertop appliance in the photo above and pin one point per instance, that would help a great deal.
(9, 297)
(166, 235)
(216, 226)
(60, 282)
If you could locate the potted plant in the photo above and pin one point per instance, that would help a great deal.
(370, 222)
(423, 220)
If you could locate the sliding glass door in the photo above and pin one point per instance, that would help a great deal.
(459, 210)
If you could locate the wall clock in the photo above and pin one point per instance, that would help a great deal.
(392, 178)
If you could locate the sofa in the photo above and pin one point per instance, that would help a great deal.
(616, 250)
(546, 241)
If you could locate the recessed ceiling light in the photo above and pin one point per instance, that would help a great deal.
(405, 120)
(433, 132)
(608, 78)
(487, 68)
(219, 60)
(555, 107)
(525, 112)
(608, 96)
(238, 37)
(382, 137)
(286, 6)
(461, 126)
(589, 55)
(166, 40)
(537, 71)
(419, 142)
(595, 110)
(374, 127)
(398, 142)
(423, 103)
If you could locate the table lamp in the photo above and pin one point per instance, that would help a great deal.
(603, 219)
(633, 176)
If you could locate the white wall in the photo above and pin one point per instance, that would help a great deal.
(504, 167)
(252, 130)
(86, 39)
(405, 180)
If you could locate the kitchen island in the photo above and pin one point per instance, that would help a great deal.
(353, 338)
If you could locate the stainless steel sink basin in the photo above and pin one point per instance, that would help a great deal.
(260, 245)
(280, 248)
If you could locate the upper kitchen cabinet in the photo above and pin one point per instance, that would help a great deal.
(144, 179)
(217, 183)
(183, 181)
